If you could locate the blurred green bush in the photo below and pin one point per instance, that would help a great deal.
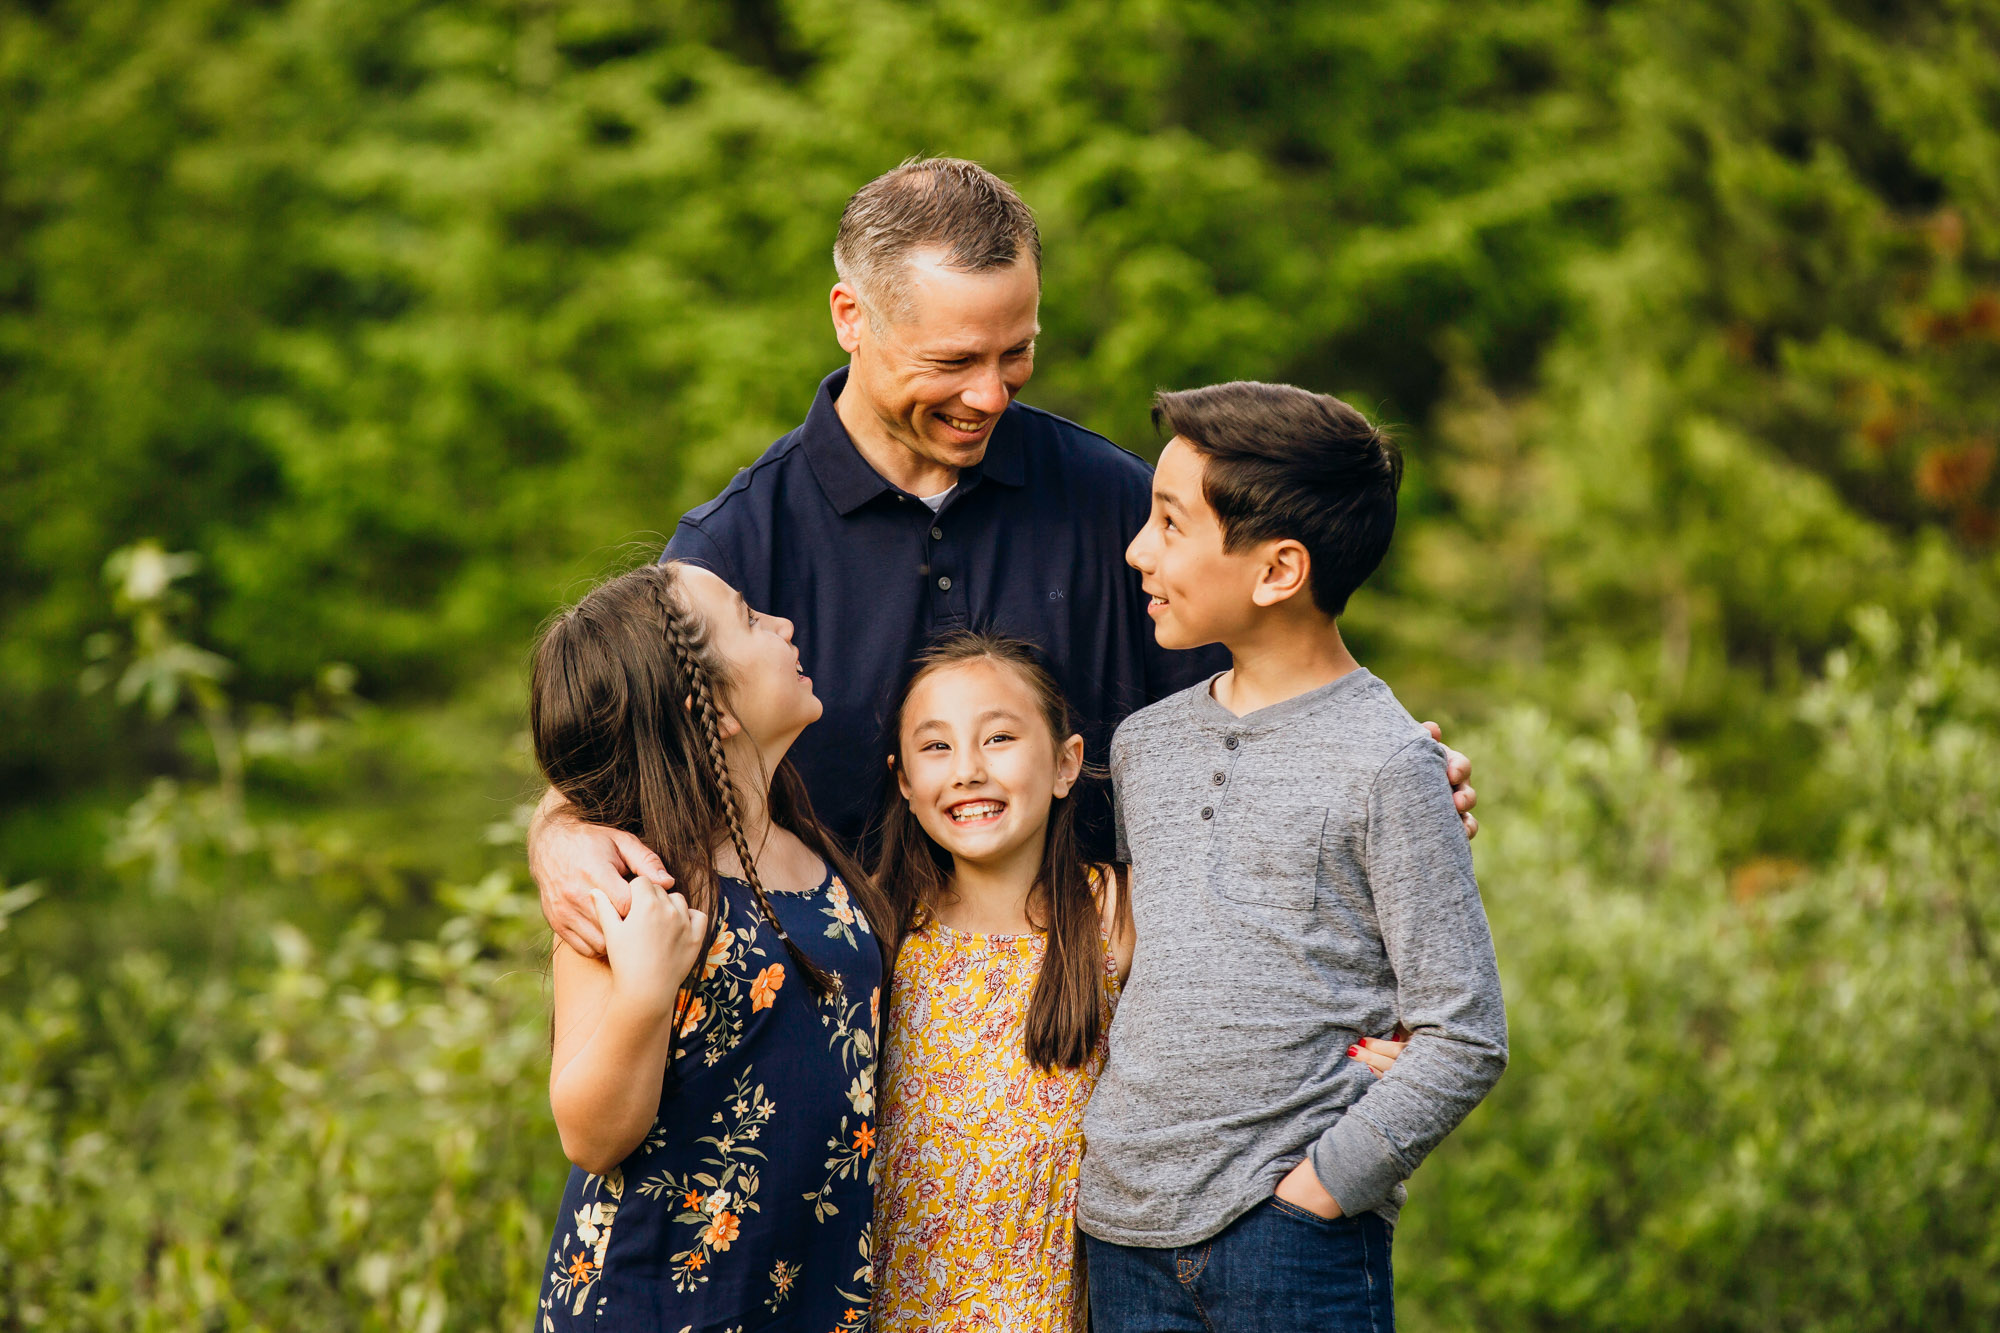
(395, 323)
(405, 316)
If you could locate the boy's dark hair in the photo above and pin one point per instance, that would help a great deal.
(1283, 462)
(1067, 1011)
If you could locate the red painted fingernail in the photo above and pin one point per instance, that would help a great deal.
(1354, 1051)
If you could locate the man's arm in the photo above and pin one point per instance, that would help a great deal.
(1458, 772)
(568, 858)
(1447, 985)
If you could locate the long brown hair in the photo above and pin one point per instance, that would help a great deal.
(623, 706)
(1066, 1008)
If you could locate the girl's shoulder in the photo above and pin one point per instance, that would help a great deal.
(1112, 885)
(1107, 886)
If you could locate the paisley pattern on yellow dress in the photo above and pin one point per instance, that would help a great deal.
(975, 1212)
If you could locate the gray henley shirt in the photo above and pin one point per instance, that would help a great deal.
(1299, 880)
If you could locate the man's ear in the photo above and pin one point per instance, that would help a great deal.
(1069, 764)
(1286, 572)
(849, 316)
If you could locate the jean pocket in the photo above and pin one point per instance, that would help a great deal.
(1270, 857)
(1290, 1209)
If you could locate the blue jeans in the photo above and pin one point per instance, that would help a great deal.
(1276, 1269)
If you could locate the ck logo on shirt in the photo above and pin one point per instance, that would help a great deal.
(1055, 594)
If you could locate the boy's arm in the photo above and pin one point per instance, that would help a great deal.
(1447, 985)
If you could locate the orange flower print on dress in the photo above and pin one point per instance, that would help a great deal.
(718, 952)
(845, 920)
(864, 1139)
(575, 1275)
(727, 1201)
(764, 990)
(721, 1231)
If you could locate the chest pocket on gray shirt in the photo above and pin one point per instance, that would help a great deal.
(1268, 856)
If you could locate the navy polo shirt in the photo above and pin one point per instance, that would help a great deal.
(1031, 543)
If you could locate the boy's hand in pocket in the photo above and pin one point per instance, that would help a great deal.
(1301, 1189)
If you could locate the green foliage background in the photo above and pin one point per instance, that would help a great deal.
(403, 320)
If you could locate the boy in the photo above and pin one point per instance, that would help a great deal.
(1299, 882)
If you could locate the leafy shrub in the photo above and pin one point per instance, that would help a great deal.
(1756, 1097)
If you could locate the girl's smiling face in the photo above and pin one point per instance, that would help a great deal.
(978, 764)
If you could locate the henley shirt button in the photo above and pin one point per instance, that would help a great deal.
(1208, 812)
(1229, 743)
(1217, 779)
(937, 534)
(944, 583)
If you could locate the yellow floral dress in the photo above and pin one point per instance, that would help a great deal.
(975, 1211)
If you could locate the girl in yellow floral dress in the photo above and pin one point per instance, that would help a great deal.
(1011, 960)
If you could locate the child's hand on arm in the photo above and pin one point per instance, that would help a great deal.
(1379, 1053)
(652, 947)
(1301, 1186)
(614, 1023)
(569, 859)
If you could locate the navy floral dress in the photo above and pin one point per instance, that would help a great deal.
(747, 1206)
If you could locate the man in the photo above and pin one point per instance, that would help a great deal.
(919, 496)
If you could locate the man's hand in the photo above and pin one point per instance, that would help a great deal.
(1458, 772)
(569, 859)
(1301, 1189)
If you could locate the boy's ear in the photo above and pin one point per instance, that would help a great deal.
(1286, 572)
(1069, 764)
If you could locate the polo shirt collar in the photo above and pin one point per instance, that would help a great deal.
(847, 479)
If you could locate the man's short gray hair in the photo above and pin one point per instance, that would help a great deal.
(941, 203)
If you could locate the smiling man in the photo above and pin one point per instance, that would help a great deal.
(919, 497)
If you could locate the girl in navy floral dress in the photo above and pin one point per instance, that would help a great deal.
(713, 1078)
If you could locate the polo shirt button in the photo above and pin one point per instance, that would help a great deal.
(937, 534)
(1229, 743)
(1217, 779)
(1208, 812)
(944, 583)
